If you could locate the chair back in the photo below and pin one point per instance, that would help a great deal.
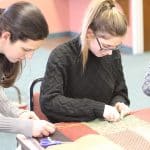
(34, 100)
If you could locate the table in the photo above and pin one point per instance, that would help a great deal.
(131, 133)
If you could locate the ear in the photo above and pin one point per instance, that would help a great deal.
(5, 35)
(90, 33)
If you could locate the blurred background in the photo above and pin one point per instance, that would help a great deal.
(64, 18)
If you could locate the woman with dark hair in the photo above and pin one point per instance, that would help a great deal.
(84, 78)
(23, 29)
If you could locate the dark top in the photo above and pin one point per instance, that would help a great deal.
(70, 94)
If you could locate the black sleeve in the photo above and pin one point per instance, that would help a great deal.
(120, 93)
(56, 106)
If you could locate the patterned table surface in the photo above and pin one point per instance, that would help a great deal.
(131, 133)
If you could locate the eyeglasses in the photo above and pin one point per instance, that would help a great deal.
(101, 47)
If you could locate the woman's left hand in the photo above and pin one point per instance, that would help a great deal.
(123, 109)
(29, 115)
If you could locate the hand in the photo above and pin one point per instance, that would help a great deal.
(111, 113)
(29, 115)
(123, 109)
(42, 128)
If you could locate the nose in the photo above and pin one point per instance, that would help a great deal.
(29, 55)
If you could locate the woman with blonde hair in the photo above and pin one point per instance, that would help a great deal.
(84, 78)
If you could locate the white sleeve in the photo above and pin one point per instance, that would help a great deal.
(7, 108)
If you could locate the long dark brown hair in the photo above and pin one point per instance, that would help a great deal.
(24, 21)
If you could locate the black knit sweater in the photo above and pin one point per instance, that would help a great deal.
(70, 94)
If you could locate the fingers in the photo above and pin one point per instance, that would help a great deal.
(45, 133)
(124, 112)
(33, 116)
(123, 109)
(113, 117)
(29, 115)
(116, 113)
(50, 128)
(111, 113)
(42, 128)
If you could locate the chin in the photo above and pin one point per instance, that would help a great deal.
(101, 55)
(13, 60)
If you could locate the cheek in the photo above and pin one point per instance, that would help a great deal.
(16, 52)
(20, 55)
(94, 46)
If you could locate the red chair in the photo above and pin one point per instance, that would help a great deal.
(34, 100)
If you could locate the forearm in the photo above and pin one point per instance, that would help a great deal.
(9, 109)
(70, 109)
(120, 93)
(15, 125)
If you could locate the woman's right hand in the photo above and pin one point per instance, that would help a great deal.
(111, 113)
(42, 128)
